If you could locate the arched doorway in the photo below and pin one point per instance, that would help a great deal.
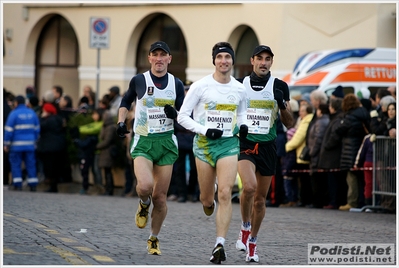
(246, 45)
(57, 58)
(164, 28)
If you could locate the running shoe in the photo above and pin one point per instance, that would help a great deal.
(142, 214)
(218, 254)
(153, 246)
(209, 210)
(252, 255)
(242, 241)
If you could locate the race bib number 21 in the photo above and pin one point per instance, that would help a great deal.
(222, 120)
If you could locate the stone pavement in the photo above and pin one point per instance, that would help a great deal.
(71, 229)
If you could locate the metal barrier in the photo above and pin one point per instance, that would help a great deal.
(384, 175)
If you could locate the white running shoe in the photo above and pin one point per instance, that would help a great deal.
(252, 255)
(242, 241)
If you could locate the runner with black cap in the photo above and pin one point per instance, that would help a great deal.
(154, 145)
(266, 97)
(219, 105)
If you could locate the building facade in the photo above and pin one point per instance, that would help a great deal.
(52, 44)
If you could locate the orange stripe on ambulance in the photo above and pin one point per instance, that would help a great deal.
(353, 69)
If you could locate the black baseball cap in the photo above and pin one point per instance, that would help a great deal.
(262, 48)
(160, 45)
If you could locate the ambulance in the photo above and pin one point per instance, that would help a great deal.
(354, 69)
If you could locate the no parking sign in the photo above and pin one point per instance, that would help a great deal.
(99, 32)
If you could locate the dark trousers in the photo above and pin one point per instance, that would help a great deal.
(337, 188)
(52, 167)
(319, 183)
(85, 165)
(179, 174)
(6, 168)
(130, 178)
(305, 189)
(109, 181)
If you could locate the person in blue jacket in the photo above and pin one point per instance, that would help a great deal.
(21, 133)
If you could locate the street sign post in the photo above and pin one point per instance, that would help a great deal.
(99, 32)
(99, 38)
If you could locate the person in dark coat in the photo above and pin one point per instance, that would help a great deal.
(391, 121)
(354, 126)
(6, 164)
(51, 145)
(330, 156)
(108, 150)
(314, 141)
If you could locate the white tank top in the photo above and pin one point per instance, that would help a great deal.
(149, 116)
(261, 104)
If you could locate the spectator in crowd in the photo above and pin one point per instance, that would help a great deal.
(185, 144)
(66, 108)
(337, 93)
(130, 177)
(352, 129)
(6, 163)
(330, 155)
(276, 195)
(378, 120)
(30, 91)
(108, 150)
(389, 202)
(86, 143)
(58, 92)
(364, 160)
(48, 97)
(21, 133)
(90, 95)
(65, 111)
(104, 102)
(381, 92)
(33, 103)
(288, 162)
(297, 143)
(290, 179)
(51, 145)
(314, 140)
(305, 99)
(114, 100)
(66, 102)
(364, 96)
(391, 121)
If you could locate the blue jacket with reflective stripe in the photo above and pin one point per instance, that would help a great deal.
(22, 129)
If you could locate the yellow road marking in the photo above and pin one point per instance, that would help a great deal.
(40, 225)
(83, 248)
(8, 251)
(11, 251)
(68, 240)
(51, 231)
(103, 258)
(23, 220)
(7, 215)
(68, 256)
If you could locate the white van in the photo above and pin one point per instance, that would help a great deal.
(353, 69)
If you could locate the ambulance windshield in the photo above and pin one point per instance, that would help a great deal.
(297, 91)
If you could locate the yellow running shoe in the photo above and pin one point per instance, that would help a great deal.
(142, 214)
(153, 246)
